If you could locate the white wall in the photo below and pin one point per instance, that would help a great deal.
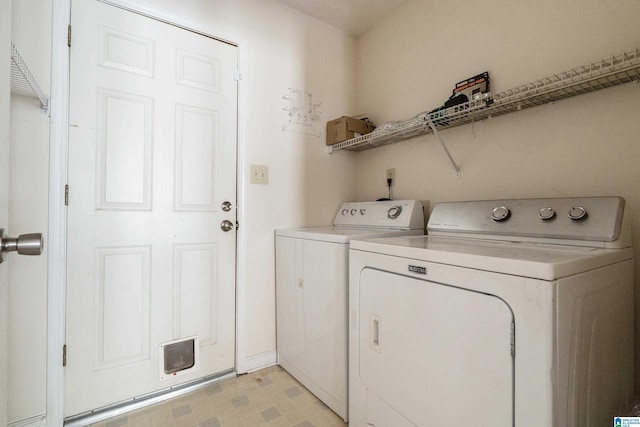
(28, 212)
(584, 146)
(5, 36)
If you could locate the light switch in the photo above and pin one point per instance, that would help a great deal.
(259, 174)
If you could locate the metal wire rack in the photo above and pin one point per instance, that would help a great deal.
(23, 82)
(616, 70)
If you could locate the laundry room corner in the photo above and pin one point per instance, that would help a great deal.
(288, 74)
(581, 146)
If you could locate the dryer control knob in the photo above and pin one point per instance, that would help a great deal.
(577, 212)
(546, 214)
(500, 213)
(362, 211)
(394, 212)
(345, 211)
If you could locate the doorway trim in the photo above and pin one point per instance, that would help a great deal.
(58, 172)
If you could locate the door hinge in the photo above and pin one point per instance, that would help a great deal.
(66, 195)
(236, 74)
(69, 36)
(513, 339)
(64, 355)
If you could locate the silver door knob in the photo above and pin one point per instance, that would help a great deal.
(25, 244)
(226, 225)
(226, 206)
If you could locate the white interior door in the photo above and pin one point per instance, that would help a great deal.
(152, 158)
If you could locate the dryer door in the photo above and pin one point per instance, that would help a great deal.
(433, 354)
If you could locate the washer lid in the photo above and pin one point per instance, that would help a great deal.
(342, 234)
(535, 260)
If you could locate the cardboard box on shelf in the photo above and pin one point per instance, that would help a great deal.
(345, 128)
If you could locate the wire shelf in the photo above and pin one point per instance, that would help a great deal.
(614, 71)
(23, 82)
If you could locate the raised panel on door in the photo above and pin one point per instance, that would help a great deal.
(434, 353)
(152, 155)
(125, 150)
(196, 288)
(197, 138)
(122, 292)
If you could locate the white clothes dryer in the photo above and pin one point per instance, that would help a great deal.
(312, 292)
(508, 313)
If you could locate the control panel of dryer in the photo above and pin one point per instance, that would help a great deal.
(596, 219)
(399, 214)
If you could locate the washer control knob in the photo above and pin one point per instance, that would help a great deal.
(546, 214)
(353, 211)
(500, 213)
(362, 211)
(345, 211)
(394, 212)
(577, 213)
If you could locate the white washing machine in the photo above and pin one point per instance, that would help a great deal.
(509, 313)
(312, 292)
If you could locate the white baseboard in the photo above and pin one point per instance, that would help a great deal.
(259, 361)
(37, 421)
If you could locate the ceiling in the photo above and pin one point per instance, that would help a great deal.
(353, 16)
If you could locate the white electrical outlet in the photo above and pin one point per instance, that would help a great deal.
(259, 174)
(391, 174)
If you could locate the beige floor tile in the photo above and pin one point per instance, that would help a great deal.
(231, 423)
(286, 406)
(269, 397)
(254, 420)
(244, 410)
(162, 418)
(280, 422)
(295, 416)
(185, 421)
(222, 402)
(260, 400)
(228, 417)
(140, 422)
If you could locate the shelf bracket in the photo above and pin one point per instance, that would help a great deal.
(23, 82)
(444, 146)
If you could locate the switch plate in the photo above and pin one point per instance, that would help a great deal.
(391, 173)
(259, 174)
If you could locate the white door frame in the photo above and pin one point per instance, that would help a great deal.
(58, 166)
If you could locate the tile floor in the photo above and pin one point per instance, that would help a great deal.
(269, 397)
